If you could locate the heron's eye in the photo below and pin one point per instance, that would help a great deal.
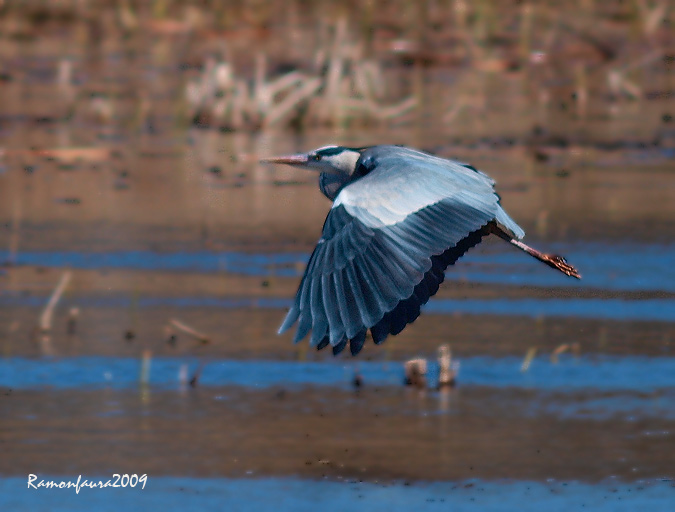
(316, 158)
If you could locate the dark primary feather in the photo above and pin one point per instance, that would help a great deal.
(383, 254)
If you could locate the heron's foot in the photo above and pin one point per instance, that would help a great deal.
(560, 263)
(552, 260)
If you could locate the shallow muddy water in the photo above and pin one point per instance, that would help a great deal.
(281, 417)
(565, 395)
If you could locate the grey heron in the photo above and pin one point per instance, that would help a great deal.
(399, 218)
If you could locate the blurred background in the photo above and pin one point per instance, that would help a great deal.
(147, 259)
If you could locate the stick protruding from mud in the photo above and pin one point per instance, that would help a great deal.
(48, 313)
(181, 326)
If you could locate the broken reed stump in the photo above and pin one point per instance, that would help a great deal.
(47, 315)
(186, 329)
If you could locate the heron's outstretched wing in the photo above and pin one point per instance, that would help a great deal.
(386, 243)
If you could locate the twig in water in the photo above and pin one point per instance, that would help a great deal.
(177, 324)
(575, 348)
(529, 356)
(564, 347)
(48, 313)
(415, 372)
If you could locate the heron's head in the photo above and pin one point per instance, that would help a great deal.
(329, 159)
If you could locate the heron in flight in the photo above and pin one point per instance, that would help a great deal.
(400, 217)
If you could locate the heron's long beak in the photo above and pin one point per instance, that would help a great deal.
(300, 159)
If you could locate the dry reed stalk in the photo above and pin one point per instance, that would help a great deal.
(284, 82)
(362, 82)
(618, 84)
(529, 357)
(126, 16)
(651, 18)
(261, 94)
(290, 102)
(378, 85)
(575, 348)
(461, 10)
(455, 110)
(48, 313)
(616, 78)
(64, 82)
(394, 111)
(416, 372)
(240, 105)
(186, 329)
(560, 349)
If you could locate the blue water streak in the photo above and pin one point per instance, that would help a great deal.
(298, 495)
(601, 373)
(603, 266)
(659, 310)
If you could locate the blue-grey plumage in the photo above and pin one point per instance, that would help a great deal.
(400, 217)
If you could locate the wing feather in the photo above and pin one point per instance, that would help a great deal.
(377, 305)
(319, 318)
(336, 329)
(360, 302)
(349, 311)
(356, 343)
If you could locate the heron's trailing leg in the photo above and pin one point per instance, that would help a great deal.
(552, 260)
